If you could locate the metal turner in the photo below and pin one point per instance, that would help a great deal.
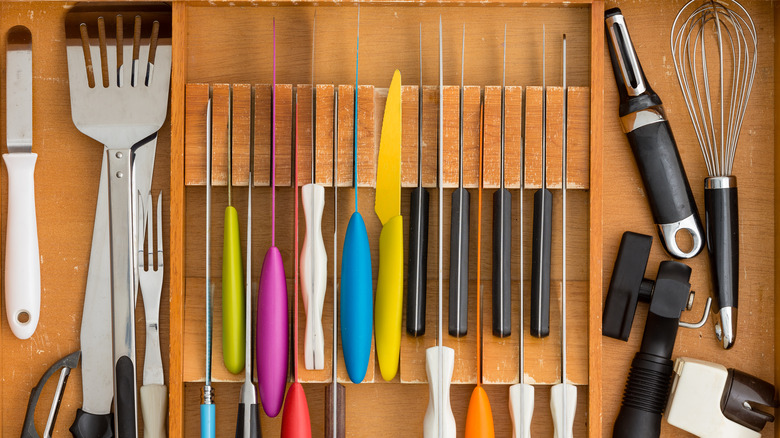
(118, 103)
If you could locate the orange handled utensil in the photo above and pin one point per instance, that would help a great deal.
(479, 419)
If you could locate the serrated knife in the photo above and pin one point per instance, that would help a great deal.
(22, 260)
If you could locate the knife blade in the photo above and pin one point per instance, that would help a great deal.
(22, 260)
(94, 419)
(387, 204)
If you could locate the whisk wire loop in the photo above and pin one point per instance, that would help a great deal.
(716, 81)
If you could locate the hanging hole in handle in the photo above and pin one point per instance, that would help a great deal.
(684, 240)
(23, 317)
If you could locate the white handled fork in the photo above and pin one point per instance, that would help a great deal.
(154, 393)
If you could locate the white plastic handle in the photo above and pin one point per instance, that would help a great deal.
(694, 402)
(154, 406)
(439, 374)
(563, 427)
(22, 259)
(521, 409)
(314, 276)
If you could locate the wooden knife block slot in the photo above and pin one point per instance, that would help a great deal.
(371, 103)
(501, 355)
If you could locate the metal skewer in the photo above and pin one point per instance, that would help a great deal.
(207, 408)
(440, 360)
(563, 396)
(335, 394)
(248, 423)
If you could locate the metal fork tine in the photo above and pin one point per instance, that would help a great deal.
(150, 228)
(159, 232)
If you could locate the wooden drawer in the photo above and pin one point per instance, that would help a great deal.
(219, 42)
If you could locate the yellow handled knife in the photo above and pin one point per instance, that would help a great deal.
(389, 291)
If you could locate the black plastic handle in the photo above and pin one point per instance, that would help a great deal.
(663, 174)
(540, 264)
(124, 375)
(416, 286)
(720, 205)
(502, 272)
(341, 397)
(644, 398)
(459, 263)
(254, 422)
(650, 377)
(88, 425)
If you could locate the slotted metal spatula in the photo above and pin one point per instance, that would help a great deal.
(119, 67)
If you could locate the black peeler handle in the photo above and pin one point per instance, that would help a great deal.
(65, 364)
(644, 122)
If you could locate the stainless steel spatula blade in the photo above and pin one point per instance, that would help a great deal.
(113, 104)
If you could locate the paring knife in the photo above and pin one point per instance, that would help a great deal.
(94, 419)
(387, 204)
(22, 260)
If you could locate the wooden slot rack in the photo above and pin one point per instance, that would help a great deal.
(221, 42)
(503, 353)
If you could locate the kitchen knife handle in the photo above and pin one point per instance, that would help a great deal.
(88, 425)
(154, 407)
(389, 296)
(124, 392)
(416, 283)
(341, 397)
(233, 310)
(272, 334)
(722, 212)
(356, 300)
(540, 264)
(314, 275)
(563, 422)
(666, 184)
(521, 409)
(254, 422)
(439, 411)
(208, 422)
(459, 263)
(502, 262)
(22, 258)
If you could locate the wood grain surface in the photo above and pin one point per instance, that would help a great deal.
(625, 207)
(222, 42)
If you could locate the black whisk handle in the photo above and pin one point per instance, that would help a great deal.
(721, 208)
